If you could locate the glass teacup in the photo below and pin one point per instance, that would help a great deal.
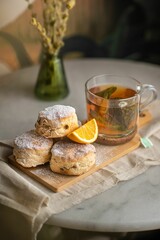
(115, 102)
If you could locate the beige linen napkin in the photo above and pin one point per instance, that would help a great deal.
(16, 192)
(37, 203)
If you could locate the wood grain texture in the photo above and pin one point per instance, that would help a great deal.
(105, 155)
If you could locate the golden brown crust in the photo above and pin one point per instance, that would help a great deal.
(56, 121)
(72, 158)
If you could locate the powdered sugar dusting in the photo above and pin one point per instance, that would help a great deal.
(32, 140)
(71, 150)
(56, 112)
(45, 173)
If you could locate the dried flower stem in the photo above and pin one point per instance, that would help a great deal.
(55, 15)
(45, 39)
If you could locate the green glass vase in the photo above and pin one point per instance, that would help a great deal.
(51, 83)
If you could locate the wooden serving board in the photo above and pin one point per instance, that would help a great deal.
(104, 155)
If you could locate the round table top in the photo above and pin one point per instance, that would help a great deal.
(130, 206)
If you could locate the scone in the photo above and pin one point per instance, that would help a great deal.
(72, 158)
(31, 149)
(56, 121)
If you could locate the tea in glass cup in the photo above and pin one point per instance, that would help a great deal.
(115, 102)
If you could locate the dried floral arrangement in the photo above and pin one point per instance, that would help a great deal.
(53, 29)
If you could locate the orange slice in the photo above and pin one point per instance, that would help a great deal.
(87, 133)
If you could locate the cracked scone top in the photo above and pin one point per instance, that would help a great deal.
(56, 121)
(32, 140)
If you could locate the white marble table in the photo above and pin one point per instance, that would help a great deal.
(130, 206)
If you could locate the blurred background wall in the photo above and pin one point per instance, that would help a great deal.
(128, 29)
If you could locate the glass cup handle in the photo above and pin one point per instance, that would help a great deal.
(152, 96)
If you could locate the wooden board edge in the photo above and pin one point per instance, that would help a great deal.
(136, 143)
(76, 179)
(31, 174)
(130, 146)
